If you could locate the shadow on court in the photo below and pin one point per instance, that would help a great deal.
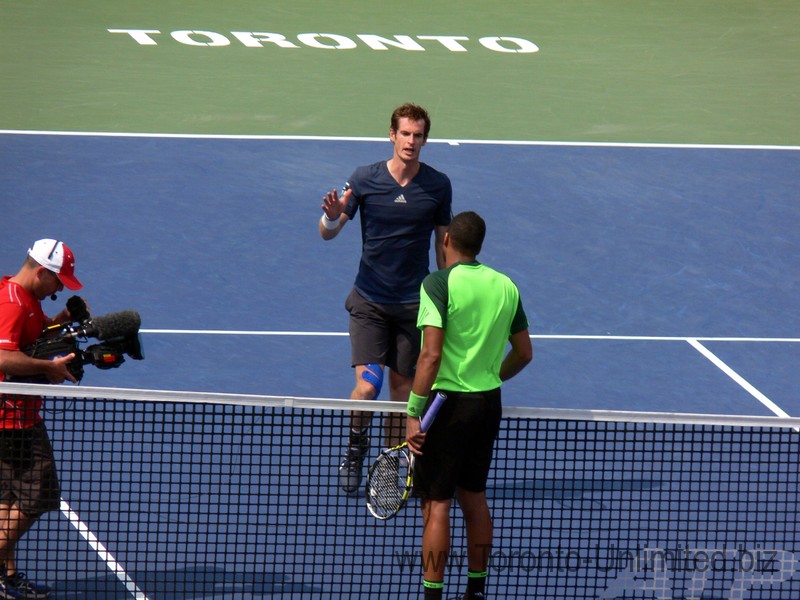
(199, 581)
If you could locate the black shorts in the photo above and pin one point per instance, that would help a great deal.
(384, 334)
(459, 444)
(28, 476)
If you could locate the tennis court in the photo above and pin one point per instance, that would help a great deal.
(638, 174)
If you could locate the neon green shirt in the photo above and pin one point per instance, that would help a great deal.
(479, 309)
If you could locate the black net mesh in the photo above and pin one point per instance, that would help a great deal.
(237, 497)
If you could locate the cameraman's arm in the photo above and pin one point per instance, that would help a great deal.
(16, 362)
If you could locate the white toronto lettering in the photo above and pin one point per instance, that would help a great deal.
(142, 36)
(377, 42)
(330, 41)
(257, 39)
(314, 40)
(448, 41)
(517, 44)
(211, 38)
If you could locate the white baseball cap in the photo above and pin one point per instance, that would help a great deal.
(55, 256)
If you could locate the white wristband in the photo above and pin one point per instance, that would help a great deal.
(328, 223)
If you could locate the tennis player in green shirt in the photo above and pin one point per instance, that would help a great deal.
(468, 314)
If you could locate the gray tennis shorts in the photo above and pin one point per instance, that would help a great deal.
(384, 334)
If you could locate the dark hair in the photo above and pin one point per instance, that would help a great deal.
(467, 230)
(413, 112)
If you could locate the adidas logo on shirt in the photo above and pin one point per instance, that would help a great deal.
(400, 199)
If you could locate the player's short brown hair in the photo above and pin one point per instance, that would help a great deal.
(413, 112)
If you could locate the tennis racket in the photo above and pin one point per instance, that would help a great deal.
(390, 477)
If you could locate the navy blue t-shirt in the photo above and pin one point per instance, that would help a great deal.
(396, 228)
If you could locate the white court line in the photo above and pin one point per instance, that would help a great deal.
(243, 332)
(737, 378)
(102, 552)
(627, 338)
(451, 142)
(693, 341)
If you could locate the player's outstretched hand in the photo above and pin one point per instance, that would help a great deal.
(333, 205)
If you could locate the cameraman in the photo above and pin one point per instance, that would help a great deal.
(28, 480)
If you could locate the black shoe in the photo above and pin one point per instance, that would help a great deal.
(351, 469)
(19, 587)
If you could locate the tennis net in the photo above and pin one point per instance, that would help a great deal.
(189, 495)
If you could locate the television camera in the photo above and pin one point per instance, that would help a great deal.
(118, 335)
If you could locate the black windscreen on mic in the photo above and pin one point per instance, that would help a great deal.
(114, 325)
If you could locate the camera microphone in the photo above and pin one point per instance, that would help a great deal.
(111, 326)
(119, 324)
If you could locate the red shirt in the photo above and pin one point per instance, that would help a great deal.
(21, 323)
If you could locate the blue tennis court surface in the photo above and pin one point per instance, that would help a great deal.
(214, 242)
(655, 279)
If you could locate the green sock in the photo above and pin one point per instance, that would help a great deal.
(476, 582)
(433, 589)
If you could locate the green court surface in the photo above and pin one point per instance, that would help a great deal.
(678, 72)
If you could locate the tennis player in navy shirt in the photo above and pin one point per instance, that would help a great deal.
(402, 204)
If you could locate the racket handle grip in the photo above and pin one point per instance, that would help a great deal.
(430, 414)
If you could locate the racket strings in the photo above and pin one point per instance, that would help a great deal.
(386, 486)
